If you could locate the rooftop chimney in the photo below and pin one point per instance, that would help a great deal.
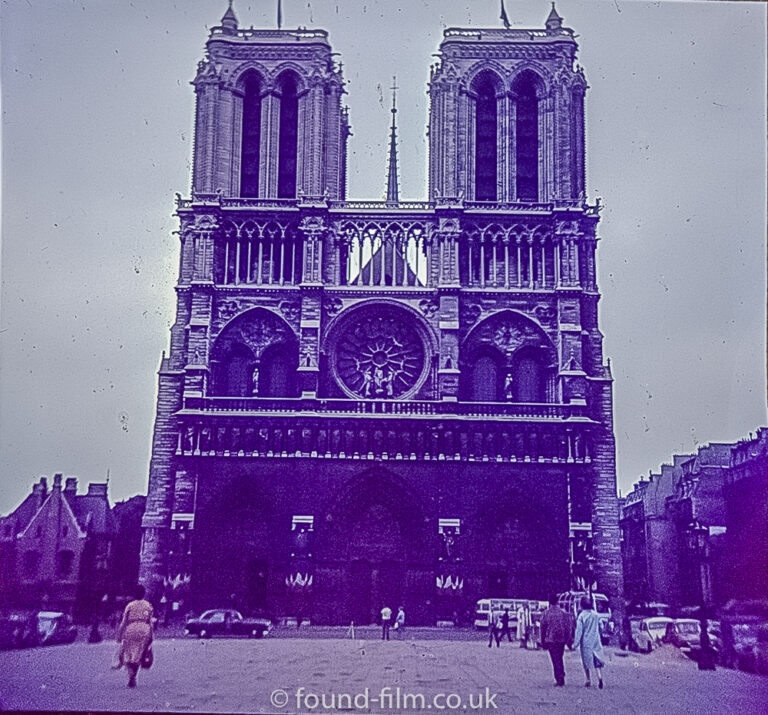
(70, 486)
(57, 482)
(97, 490)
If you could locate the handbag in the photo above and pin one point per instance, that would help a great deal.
(147, 658)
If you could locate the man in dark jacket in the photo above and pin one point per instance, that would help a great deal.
(555, 633)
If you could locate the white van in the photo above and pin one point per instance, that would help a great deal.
(570, 602)
(486, 606)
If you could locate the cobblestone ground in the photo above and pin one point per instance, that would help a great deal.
(239, 676)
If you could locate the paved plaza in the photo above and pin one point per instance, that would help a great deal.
(241, 675)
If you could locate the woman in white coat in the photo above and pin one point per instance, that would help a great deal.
(587, 640)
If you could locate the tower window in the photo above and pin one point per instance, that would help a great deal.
(289, 126)
(486, 155)
(249, 161)
(527, 136)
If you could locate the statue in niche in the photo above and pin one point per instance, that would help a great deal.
(509, 386)
(277, 439)
(449, 546)
(302, 541)
(363, 441)
(255, 381)
(405, 439)
(378, 442)
(449, 446)
(205, 439)
(189, 439)
(306, 440)
(322, 440)
(263, 439)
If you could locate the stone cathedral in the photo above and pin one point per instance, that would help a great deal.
(384, 402)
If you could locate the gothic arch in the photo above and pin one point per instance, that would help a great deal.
(535, 72)
(238, 532)
(287, 85)
(515, 529)
(508, 357)
(486, 91)
(382, 492)
(298, 72)
(493, 68)
(528, 92)
(254, 340)
(251, 84)
(239, 74)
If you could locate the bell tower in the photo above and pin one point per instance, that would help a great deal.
(269, 121)
(506, 119)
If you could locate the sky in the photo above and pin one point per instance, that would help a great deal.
(96, 139)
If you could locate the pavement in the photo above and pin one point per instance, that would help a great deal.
(411, 675)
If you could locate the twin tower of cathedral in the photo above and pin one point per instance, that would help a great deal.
(353, 385)
(271, 123)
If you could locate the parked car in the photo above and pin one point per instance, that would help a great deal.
(54, 628)
(684, 633)
(648, 633)
(17, 630)
(226, 622)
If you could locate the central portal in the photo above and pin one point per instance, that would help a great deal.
(377, 565)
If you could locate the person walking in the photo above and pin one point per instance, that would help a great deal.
(400, 619)
(505, 625)
(587, 640)
(135, 635)
(386, 622)
(494, 629)
(555, 633)
(522, 626)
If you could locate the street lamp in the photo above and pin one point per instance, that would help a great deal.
(698, 542)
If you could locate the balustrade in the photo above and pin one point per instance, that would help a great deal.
(357, 437)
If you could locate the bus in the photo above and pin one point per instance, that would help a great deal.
(570, 602)
(487, 606)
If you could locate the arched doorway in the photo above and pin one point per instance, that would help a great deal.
(377, 563)
(373, 549)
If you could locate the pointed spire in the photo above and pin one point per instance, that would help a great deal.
(229, 20)
(554, 21)
(393, 193)
(503, 16)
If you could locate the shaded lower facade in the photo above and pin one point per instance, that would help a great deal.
(335, 541)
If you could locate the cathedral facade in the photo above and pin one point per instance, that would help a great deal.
(394, 402)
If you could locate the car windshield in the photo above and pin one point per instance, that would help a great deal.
(213, 616)
(657, 625)
(687, 628)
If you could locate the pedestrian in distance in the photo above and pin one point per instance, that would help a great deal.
(522, 626)
(494, 629)
(505, 625)
(555, 633)
(400, 620)
(587, 640)
(386, 622)
(135, 635)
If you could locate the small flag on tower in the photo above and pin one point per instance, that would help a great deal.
(503, 15)
(279, 14)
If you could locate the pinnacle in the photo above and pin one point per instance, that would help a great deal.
(229, 19)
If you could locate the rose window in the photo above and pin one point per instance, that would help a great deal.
(380, 356)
